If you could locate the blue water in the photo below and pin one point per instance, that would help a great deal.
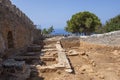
(63, 32)
(60, 31)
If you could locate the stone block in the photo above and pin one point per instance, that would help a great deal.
(34, 48)
(45, 58)
(46, 68)
(12, 65)
(31, 54)
(72, 53)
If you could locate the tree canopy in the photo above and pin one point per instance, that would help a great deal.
(83, 22)
(48, 31)
(113, 24)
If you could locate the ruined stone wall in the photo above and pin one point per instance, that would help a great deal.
(111, 38)
(70, 42)
(2, 45)
(16, 29)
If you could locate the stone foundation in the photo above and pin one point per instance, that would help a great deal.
(70, 42)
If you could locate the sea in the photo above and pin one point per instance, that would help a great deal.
(60, 32)
(63, 32)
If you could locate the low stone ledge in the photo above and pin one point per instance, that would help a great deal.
(34, 48)
(11, 64)
(62, 58)
(46, 68)
(45, 50)
(49, 46)
(30, 54)
(25, 57)
(46, 58)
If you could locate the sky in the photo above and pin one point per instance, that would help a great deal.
(46, 13)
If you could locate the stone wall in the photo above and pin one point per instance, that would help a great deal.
(111, 38)
(15, 10)
(16, 29)
(2, 45)
(70, 42)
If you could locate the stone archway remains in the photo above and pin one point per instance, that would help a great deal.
(10, 40)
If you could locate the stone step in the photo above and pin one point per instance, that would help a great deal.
(11, 64)
(45, 50)
(47, 58)
(25, 57)
(49, 46)
(31, 54)
(34, 48)
(46, 68)
(20, 76)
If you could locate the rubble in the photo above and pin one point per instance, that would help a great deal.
(72, 53)
(82, 53)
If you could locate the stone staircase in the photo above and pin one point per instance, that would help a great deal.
(33, 52)
(20, 64)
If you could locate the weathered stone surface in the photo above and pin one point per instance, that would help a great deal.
(59, 47)
(30, 54)
(2, 44)
(72, 53)
(116, 53)
(44, 50)
(49, 46)
(69, 70)
(82, 53)
(17, 32)
(26, 57)
(70, 42)
(16, 29)
(1, 66)
(11, 64)
(46, 68)
(63, 62)
(34, 48)
(111, 38)
(87, 68)
(46, 58)
(62, 58)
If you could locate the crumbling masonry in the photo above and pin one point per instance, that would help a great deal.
(16, 29)
(18, 35)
